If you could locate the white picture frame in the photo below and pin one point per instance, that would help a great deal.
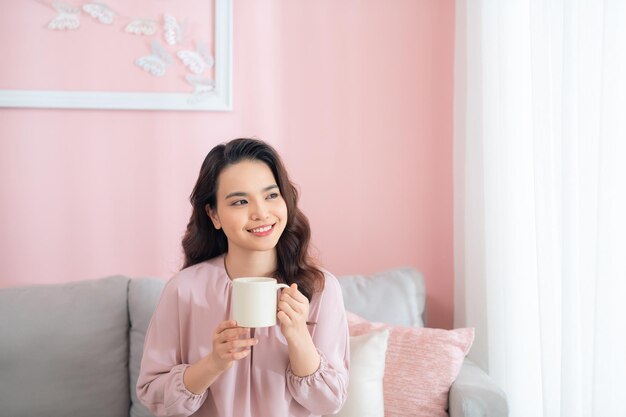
(219, 99)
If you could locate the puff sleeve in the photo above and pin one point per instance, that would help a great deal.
(325, 391)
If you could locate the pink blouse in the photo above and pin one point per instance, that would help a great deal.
(192, 304)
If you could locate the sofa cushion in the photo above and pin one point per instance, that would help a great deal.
(396, 296)
(367, 369)
(64, 349)
(420, 366)
(143, 296)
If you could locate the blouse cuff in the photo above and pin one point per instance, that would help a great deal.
(179, 371)
(308, 379)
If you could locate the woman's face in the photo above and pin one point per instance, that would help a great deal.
(250, 208)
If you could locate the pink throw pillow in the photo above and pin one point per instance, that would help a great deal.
(420, 366)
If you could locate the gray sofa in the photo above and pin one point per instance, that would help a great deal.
(74, 349)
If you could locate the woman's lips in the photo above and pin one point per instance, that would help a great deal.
(262, 230)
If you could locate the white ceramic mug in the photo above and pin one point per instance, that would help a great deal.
(254, 300)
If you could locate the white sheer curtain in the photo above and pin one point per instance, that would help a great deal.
(540, 200)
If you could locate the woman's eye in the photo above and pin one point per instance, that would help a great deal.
(238, 203)
(272, 196)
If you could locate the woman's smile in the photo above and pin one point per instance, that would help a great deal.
(264, 230)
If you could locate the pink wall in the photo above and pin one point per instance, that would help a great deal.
(356, 95)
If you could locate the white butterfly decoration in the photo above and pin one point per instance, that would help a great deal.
(197, 61)
(157, 63)
(99, 11)
(142, 27)
(67, 17)
(202, 88)
(172, 30)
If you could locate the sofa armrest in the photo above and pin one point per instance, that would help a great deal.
(475, 394)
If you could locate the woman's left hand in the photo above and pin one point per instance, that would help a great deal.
(293, 313)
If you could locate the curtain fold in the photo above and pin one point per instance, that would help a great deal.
(540, 200)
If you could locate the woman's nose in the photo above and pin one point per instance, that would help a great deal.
(259, 212)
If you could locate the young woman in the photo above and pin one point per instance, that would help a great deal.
(245, 222)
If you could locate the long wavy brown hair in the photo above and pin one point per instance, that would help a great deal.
(202, 241)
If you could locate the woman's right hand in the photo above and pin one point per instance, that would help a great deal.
(228, 345)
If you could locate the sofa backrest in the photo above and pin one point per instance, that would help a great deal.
(75, 349)
(64, 349)
(396, 296)
(143, 296)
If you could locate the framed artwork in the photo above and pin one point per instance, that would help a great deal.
(115, 54)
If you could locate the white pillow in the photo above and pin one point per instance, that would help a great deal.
(367, 369)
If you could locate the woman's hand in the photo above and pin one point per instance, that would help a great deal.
(228, 345)
(293, 312)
